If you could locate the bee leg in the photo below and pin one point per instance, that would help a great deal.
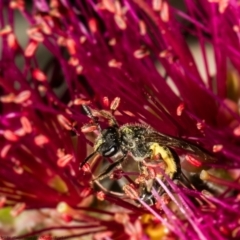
(109, 169)
(145, 186)
(87, 159)
(117, 194)
(147, 197)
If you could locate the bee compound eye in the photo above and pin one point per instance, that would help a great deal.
(110, 152)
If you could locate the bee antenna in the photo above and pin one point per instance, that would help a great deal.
(88, 112)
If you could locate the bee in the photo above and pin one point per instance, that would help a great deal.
(148, 147)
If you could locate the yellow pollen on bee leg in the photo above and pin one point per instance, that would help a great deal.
(167, 157)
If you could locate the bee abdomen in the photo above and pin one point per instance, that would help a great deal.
(169, 157)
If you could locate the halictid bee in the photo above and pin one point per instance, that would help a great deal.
(149, 148)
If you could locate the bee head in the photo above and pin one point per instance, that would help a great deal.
(109, 142)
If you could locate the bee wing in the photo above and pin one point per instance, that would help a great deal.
(177, 143)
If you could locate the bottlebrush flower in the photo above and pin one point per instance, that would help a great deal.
(138, 51)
